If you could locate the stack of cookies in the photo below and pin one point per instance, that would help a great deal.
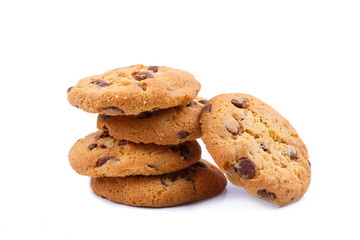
(145, 152)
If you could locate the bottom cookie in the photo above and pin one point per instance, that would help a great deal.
(200, 180)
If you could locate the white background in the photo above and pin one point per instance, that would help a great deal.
(301, 57)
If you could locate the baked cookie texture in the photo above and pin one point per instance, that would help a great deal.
(200, 180)
(133, 90)
(99, 155)
(256, 147)
(169, 126)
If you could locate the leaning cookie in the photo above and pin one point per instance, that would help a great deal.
(99, 155)
(163, 127)
(256, 147)
(133, 90)
(200, 180)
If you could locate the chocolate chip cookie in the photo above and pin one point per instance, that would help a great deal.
(133, 90)
(169, 126)
(256, 147)
(200, 180)
(99, 155)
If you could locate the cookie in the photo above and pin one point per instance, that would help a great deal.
(256, 147)
(200, 180)
(133, 90)
(99, 155)
(163, 127)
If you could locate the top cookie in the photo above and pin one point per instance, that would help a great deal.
(133, 90)
(256, 147)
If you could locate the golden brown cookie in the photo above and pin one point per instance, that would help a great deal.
(133, 90)
(163, 127)
(99, 155)
(200, 180)
(256, 147)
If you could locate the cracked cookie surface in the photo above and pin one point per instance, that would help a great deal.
(168, 126)
(133, 90)
(200, 180)
(256, 147)
(100, 155)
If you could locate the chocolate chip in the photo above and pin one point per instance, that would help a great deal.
(92, 146)
(232, 129)
(269, 196)
(182, 134)
(142, 75)
(185, 152)
(100, 83)
(191, 103)
(232, 125)
(96, 81)
(246, 168)
(174, 149)
(104, 160)
(207, 108)
(181, 176)
(293, 156)
(105, 128)
(103, 146)
(309, 163)
(163, 181)
(203, 101)
(240, 104)
(122, 142)
(153, 166)
(104, 84)
(177, 177)
(153, 68)
(69, 89)
(140, 86)
(76, 106)
(201, 164)
(188, 170)
(105, 134)
(112, 111)
(144, 115)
